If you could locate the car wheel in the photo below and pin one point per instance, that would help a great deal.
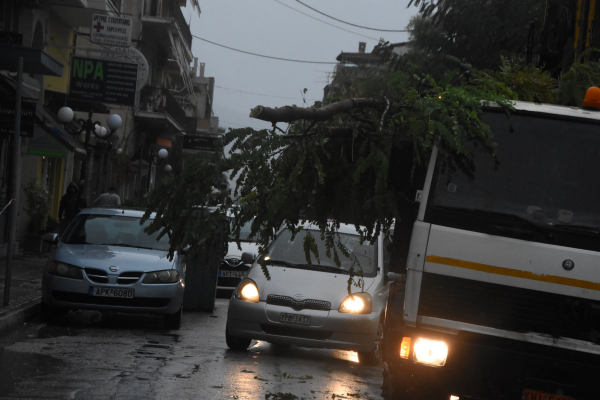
(50, 314)
(373, 357)
(173, 321)
(236, 343)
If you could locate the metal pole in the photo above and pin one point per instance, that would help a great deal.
(14, 184)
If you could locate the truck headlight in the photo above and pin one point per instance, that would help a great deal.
(357, 303)
(247, 291)
(64, 270)
(430, 352)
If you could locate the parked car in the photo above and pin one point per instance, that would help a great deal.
(232, 270)
(106, 262)
(309, 305)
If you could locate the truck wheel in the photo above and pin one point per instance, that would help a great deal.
(391, 391)
(173, 321)
(236, 343)
(373, 357)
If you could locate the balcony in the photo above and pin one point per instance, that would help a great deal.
(160, 110)
(164, 13)
(78, 13)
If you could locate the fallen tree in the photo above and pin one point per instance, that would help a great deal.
(355, 160)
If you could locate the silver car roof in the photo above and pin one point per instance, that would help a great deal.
(124, 211)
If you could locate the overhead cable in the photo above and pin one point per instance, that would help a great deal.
(348, 23)
(310, 16)
(260, 55)
(260, 94)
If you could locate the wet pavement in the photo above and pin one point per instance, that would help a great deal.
(89, 355)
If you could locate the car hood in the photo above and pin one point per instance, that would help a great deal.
(102, 257)
(309, 284)
(247, 247)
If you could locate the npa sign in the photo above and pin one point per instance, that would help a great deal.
(114, 31)
(104, 81)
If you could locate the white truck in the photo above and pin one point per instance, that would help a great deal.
(502, 292)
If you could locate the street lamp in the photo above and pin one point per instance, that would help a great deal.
(156, 160)
(66, 114)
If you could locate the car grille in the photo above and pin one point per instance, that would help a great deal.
(127, 278)
(96, 275)
(81, 298)
(309, 304)
(100, 276)
(296, 332)
(509, 308)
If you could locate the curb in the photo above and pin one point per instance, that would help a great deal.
(20, 314)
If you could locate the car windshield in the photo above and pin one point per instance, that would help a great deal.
(114, 230)
(291, 253)
(542, 174)
(244, 231)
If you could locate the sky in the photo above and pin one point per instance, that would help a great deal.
(283, 29)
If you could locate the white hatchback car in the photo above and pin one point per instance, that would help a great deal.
(309, 305)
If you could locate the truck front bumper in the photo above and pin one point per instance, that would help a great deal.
(486, 367)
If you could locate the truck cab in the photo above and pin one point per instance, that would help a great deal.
(502, 291)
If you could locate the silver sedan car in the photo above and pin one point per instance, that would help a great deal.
(105, 261)
(309, 305)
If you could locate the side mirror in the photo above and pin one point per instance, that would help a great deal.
(392, 276)
(248, 258)
(50, 238)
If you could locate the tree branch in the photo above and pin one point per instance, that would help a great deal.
(291, 114)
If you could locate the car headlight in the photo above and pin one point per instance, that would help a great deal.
(64, 270)
(165, 276)
(430, 352)
(357, 303)
(247, 291)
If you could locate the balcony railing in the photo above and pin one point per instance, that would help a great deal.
(169, 9)
(160, 100)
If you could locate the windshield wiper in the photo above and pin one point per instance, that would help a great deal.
(579, 228)
(126, 245)
(307, 266)
(498, 214)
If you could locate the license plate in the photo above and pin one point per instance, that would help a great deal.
(295, 319)
(232, 274)
(529, 394)
(111, 292)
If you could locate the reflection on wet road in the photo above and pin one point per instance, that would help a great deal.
(118, 356)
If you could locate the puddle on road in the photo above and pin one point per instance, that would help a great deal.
(16, 368)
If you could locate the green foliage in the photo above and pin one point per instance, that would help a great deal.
(477, 32)
(39, 206)
(319, 175)
(527, 82)
(581, 76)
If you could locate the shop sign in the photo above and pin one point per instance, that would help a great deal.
(195, 144)
(131, 54)
(42, 144)
(104, 81)
(7, 117)
(109, 30)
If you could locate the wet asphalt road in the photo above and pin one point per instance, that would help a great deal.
(118, 356)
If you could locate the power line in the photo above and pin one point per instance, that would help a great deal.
(260, 94)
(348, 23)
(310, 16)
(260, 55)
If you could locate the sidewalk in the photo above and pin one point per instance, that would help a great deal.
(25, 289)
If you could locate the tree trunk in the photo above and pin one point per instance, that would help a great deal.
(291, 114)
